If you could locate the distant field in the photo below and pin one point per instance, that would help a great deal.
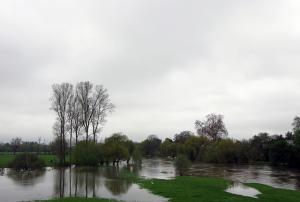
(6, 158)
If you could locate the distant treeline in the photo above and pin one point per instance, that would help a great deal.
(209, 144)
(17, 145)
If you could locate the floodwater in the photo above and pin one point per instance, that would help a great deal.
(276, 177)
(105, 182)
(243, 190)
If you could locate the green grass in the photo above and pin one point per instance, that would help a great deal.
(49, 159)
(204, 189)
(79, 200)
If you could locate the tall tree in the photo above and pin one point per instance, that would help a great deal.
(84, 92)
(62, 93)
(77, 118)
(103, 106)
(212, 127)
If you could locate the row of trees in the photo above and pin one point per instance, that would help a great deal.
(115, 148)
(17, 145)
(80, 111)
(212, 145)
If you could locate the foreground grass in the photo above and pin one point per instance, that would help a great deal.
(5, 159)
(204, 189)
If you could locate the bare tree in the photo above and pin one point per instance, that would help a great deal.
(62, 93)
(70, 120)
(94, 104)
(213, 127)
(103, 106)
(84, 93)
(77, 118)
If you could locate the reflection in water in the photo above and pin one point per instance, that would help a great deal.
(26, 178)
(105, 182)
(99, 182)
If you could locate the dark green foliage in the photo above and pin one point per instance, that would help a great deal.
(260, 147)
(151, 145)
(168, 148)
(27, 161)
(222, 151)
(280, 152)
(87, 154)
(116, 148)
(137, 157)
(182, 164)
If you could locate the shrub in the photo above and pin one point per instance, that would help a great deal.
(27, 161)
(137, 157)
(182, 164)
(87, 154)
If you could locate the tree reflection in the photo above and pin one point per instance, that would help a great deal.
(26, 178)
(87, 182)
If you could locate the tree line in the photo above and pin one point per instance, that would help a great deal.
(212, 145)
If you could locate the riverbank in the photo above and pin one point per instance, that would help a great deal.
(204, 189)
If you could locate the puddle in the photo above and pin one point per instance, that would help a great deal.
(243, 190)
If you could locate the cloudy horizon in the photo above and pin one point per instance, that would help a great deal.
(165, 63)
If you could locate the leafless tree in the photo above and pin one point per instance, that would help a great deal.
(213, 127)
(77, 118)
(103, 106)
(62, 93)
(94, 104)
(84, 92)
(70, 119)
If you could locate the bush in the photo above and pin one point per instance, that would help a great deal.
(27, 161)
(87, 154)
(137, 157)
(222, 151)
(182, 164)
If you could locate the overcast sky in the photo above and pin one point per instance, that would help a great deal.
(165, 63)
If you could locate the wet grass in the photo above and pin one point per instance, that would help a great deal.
(202, 189)
(205, 189)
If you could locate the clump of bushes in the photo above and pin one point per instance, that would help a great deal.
(27, 161)
(182, 164)
(87, 154)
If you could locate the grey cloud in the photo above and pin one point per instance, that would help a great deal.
(165, 63)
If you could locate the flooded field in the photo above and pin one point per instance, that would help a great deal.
(105, 182)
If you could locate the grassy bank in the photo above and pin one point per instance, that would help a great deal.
(204, 189)
(5, 159)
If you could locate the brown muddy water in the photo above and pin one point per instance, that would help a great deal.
(105, 182)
